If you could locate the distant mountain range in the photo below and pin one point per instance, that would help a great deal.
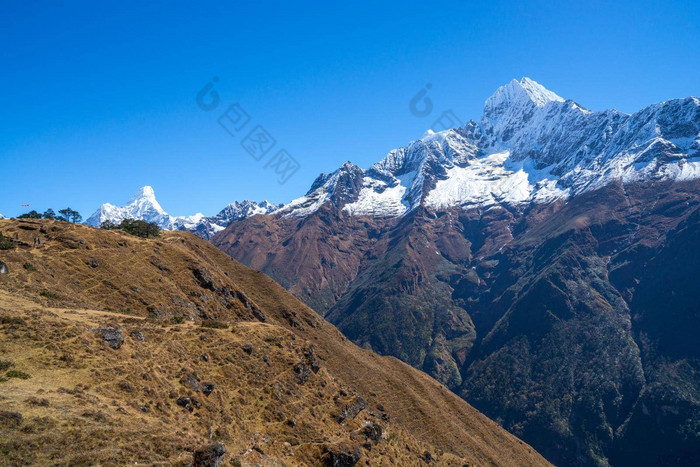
(144, 206)
(538, 261)
(529, 145)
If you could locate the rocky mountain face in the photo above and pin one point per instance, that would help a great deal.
(537, 261)
(166, 351)
(144, 206)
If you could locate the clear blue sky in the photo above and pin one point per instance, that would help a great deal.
(98, 98)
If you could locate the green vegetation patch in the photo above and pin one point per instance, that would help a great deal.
(212, 323)
(6, 243)
(17, 374)
(49, 294)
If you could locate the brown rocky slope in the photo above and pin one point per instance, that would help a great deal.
(573, 324)
(117, 350)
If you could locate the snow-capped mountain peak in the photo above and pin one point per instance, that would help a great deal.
(530, 145)
(518, 92)
(538, 93)
(145, 194)
(144, 206)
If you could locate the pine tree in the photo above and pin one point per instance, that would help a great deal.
(70, 215)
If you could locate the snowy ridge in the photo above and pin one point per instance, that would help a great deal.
(530, 145)
(144, 206)
(340, 188)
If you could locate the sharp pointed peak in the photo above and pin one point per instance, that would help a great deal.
(519, 92)
(348, 166)
(146, 192)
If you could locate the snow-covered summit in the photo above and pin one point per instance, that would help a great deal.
(145, 195)
(530, 145)
(340, 187)
(144, 206)
(520, 92)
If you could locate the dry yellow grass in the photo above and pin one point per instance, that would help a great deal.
(87, 403)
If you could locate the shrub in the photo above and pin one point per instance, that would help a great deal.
(6, 243)
(5, 365)
(212, 323)
(177, 319)
(11, 320)
(49, 294)
(273, 340)
(41, 402)
(17, 374)
(29, 267)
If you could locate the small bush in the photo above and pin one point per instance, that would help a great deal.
(6, 243)
(49, 294)
(40, 402)
(177, 319)
(5, 365)
(29, 267)
(17, 374)
(212, 323)
(273, 340)
(11, 320)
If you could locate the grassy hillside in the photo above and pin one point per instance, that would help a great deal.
(212, 352)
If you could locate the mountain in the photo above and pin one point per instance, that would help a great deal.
(166, 351)
(144, 206)
(530, 145)
(207, 227)
(536, 261)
